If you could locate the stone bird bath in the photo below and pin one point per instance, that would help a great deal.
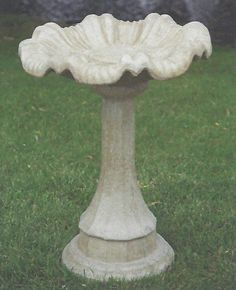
(117, 232)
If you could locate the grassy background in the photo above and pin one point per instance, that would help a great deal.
(50, 158)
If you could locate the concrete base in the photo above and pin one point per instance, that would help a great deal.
(156, 262)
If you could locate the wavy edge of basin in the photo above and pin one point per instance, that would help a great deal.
(160, 46)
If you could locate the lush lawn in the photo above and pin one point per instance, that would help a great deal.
(50, 156)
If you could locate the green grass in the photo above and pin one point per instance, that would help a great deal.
(50, 158)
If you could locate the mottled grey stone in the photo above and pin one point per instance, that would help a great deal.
(57, 10)
(218, 15)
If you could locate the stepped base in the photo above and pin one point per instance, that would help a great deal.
(154, 263)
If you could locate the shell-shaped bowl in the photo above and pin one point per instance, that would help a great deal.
(100, 49)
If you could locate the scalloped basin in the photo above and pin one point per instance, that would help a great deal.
(101, 48)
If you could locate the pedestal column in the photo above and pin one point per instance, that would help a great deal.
(118, 232)
(118, 211)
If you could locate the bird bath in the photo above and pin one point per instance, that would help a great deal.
(117, 231)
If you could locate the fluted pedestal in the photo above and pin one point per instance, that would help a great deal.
(118, 232)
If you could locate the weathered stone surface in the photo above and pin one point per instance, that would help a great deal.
(118, 232)
(101, 48)
(117, 58)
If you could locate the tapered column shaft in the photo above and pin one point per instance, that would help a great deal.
(118, 143)
(117, 211)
